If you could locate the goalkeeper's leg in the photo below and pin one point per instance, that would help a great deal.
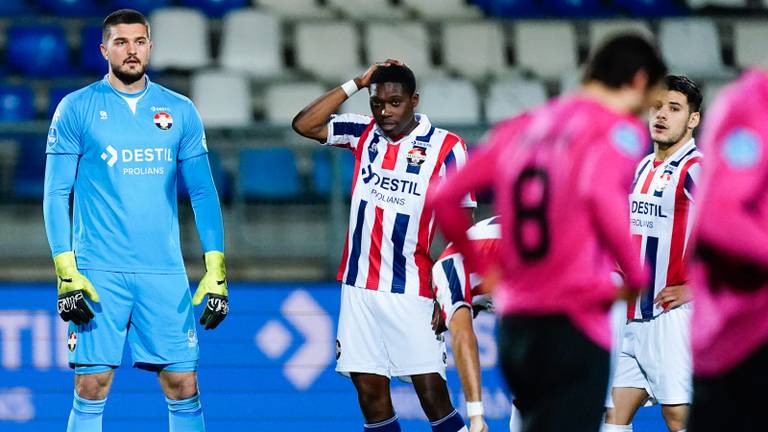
(92, 385)
(185, 413)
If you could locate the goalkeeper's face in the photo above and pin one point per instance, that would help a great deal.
(127, 50)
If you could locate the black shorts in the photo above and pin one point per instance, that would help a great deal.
(732, 401)
(558, 376)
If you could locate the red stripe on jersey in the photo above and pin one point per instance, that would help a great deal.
(632, 303)
(358, 151)
(375, 251)
(649, 178)
(677, 272)
(426, 233)
(390, 157)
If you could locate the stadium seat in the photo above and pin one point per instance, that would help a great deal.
(55, 95)
(570, 80)
(223, 98)
(475, 49)
(362, 9)
(71, 8)
(601, 29)
(91, 60)
(295, 9)
(701, 59)
(406, 41)
(328, 50)
(15, 7)
(577, 8)
(749, 43)
(251, 43)
(450, 102)
(511, 8)
(283, 101)
(268, 174)
(174, 49)
(16, 104)
(442, 9)
(546, 48)
(651, 8)
(511, 97)
(359, 103)
(322, 170)
(143, 6)
(215, 8)
(38, 51)
(220, 178)
(30, 169)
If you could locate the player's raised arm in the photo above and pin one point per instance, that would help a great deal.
(312, 121)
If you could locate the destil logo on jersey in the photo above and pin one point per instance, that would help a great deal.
(138, 157)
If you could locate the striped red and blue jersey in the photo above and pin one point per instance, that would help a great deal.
(390, 233)
(661, 219)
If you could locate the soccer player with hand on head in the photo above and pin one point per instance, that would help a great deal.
(561, 191)
(118, 145)
(386, 295)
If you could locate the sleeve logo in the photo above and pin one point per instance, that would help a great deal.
(626, 140)
(742, 148)
(53, 136)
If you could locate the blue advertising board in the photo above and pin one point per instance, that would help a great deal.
(269, 366)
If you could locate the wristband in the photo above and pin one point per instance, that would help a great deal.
(350, 87)
(475, 409)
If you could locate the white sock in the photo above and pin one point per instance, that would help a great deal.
(616, 428)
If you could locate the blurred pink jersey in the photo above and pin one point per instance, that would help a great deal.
(730, 272)
(561, 180)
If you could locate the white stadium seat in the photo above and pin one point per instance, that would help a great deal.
(449, 102)
(507, 98)
(251, 42)
(600, 30)
(749, 42)
(223, 98)
(284, 101)
(570, 80)
(328, 50)
(442, 9)
(407, 41)
(360, 9)
(692, 47)
(474, 49)
(546, 48)
(294, 9)
(358, 103)
(174, 49)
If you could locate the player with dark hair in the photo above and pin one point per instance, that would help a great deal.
(729, 328)
(654, 360)
(386, 296)
(121, 143)
(560, 189)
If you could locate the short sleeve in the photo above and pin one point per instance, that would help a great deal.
(65, 131)
(193, 136)
(454, 160)
(345, 130)
(691, 179)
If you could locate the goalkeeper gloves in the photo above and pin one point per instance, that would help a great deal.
(214, 285)
(71, 285)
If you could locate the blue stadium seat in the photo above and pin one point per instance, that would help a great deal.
(143, 6)
(322, 175)
(72, 8)
(215, 8)
(38, 51)
(15, 7)
(91, 60)
(652, 8)
(30, 169)
(268, 174)
(577, 8)
(16, 104)
(220, 178)
(511, 8)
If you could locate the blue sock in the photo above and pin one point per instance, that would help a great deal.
(388, 425)
(450, 423)
(85, 415)
(185, 415)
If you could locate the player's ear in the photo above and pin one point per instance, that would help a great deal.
(693, 120)
(103, 49)
(414, 99)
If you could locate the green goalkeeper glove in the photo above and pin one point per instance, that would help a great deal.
(214, 285)
(71, 285)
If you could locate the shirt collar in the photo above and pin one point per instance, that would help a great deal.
(129, 95)
(421, 129)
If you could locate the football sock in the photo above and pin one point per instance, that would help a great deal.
(85, 415)
(450, 423)
(616, 428)
(185, 415)
(388, 425)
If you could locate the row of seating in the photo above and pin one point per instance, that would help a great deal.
(255, 42)
(264, 174)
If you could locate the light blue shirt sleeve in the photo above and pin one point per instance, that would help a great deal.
(64, 133)
(193, 139)
(196, 173)
(60, 172)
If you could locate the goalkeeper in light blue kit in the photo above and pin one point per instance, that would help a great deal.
(122, 142)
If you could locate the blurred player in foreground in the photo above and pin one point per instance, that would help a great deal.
(729, 329)
(561, 191)
(459, 295)
(655, 358)
(121, 143)
(386, 294)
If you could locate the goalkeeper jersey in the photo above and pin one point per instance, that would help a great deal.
(125, 195)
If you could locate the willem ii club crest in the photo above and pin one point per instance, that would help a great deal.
(163, 120)
(416, 156)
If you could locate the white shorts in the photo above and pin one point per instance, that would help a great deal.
(656, 356)
(387, 334)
